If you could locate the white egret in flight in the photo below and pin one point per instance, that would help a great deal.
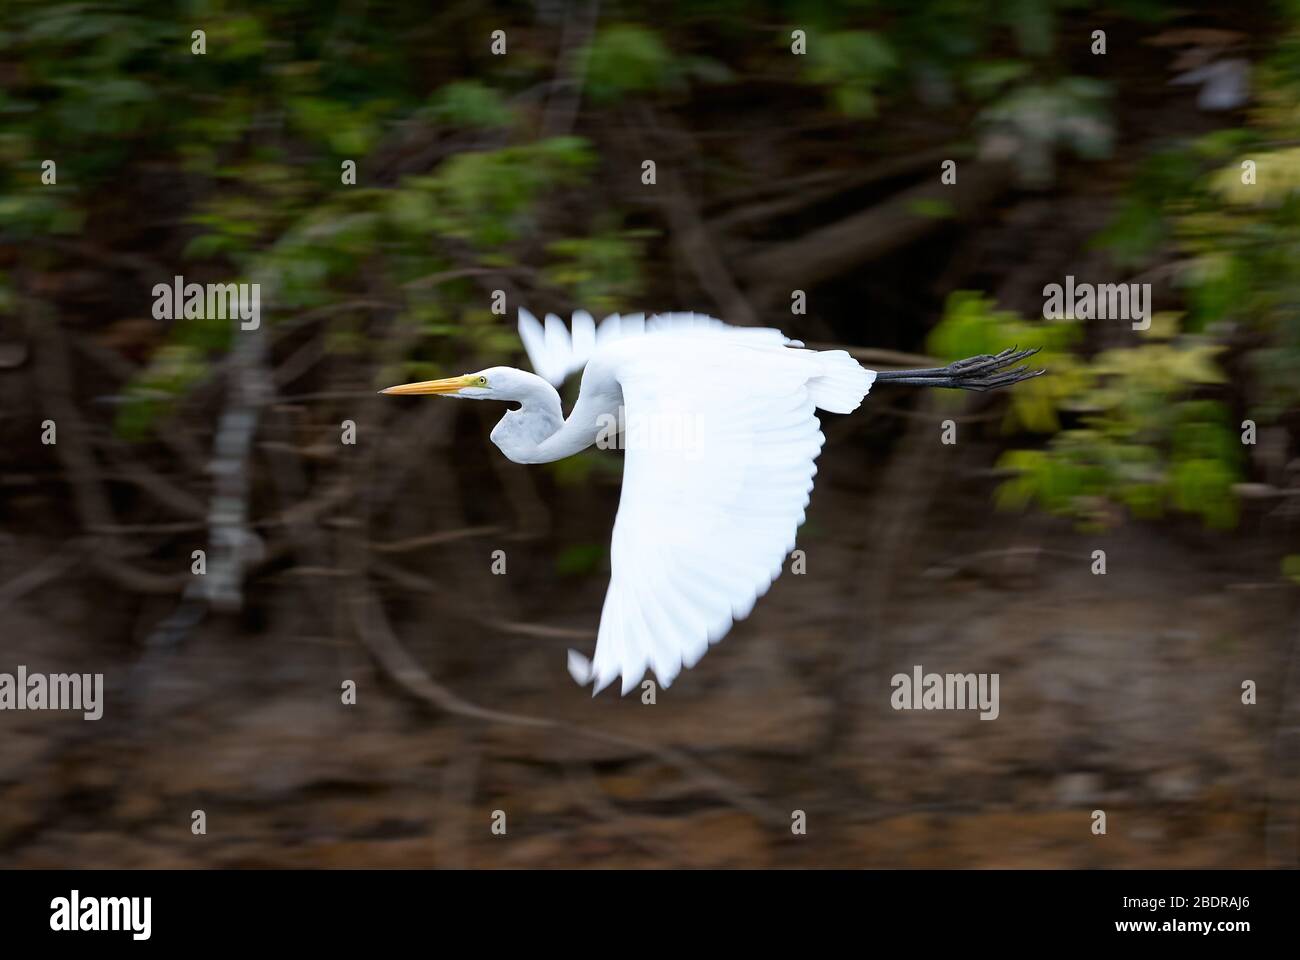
(719, 431)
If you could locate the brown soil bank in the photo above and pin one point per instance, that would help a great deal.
(1120, 693)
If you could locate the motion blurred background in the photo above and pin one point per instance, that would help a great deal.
(775, 172)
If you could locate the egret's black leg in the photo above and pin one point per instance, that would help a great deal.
(985, 372)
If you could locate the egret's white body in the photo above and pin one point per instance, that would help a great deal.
(706, 519)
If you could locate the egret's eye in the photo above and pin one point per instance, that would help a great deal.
(482, 381)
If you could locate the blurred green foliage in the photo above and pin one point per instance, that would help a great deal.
(1138, 434)
(249, 139)
(1149, 426)
(624, 59)
(581, 559)
(853, 63)
(971, 326)
(240, 150)
(470, 103)
(1228, 205)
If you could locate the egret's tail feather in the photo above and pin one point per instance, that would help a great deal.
(842, 383)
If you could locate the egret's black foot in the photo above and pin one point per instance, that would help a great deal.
(985, 372)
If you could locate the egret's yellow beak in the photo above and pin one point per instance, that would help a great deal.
(450, 385)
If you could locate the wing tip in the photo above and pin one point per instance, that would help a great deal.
(579, 668)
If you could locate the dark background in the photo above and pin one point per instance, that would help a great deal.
(522, 173)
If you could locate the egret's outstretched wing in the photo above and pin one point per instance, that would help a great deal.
(720, 440)
(557, 351)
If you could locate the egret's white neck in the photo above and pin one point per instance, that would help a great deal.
(538, 432)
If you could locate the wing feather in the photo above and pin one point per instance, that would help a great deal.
(556, 352)
(703, 527)
(708, 513)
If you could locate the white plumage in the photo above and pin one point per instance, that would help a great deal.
(721, 437)
(715, 484)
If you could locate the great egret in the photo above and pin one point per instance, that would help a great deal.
(719, 432)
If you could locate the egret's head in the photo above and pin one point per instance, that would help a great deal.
(494, 383)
